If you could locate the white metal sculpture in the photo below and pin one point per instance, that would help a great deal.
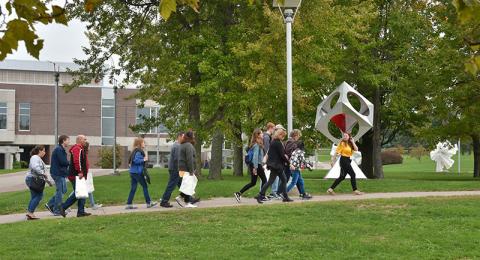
(442, 155)
(345, 117)
(343, 114)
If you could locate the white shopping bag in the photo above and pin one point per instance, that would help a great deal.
(90, 187)
(189, 183)
(81, 191)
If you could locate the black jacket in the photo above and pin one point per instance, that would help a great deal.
(276, 156)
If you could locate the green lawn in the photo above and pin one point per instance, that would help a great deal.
(428, 228)
(5, 171)
(113, 190)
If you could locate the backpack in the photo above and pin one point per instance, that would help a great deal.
(249, 156)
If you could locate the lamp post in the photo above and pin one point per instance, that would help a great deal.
(288, 10)
(115, 89)
(56, 70)
(158, 145)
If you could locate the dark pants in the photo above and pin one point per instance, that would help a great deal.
(135, 179)
(253, 180)
(35, 197)
(72, 199)
(283, 182)
(282, 188)
(173, 180)
(345, 168)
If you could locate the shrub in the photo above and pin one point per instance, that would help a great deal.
(106, 157)
(17, 165)
(391, 157)
(23, 164)
(418, 152)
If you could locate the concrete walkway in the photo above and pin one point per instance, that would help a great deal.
(16, 181)
(231, 202)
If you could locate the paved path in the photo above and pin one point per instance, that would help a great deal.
(230, 202)
(16, 181)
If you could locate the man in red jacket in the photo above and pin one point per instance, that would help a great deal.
(78, 167)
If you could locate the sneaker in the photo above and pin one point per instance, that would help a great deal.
(265, 199)
(357, 192)
(260, 199)
(84, 214)
(179, 200)
(31, 216)
(287, 199)
(62, 212)
(305, 196)
(97, 206)
(195, 200)
(330, 191)
(190, 205)
(165, 204)
(151, 205)
(49, 209)
(130, 206)
(237, 196)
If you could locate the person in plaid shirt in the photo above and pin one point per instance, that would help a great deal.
(297, 163)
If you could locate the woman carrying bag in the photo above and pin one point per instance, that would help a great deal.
(137, 168)
(187, 171)
(36, 179)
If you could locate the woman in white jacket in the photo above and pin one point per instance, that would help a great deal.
(36, 180)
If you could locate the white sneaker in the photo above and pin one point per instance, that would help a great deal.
(190, 205)
(179, 200)
(97, 206)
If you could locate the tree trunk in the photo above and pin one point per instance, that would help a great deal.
(476, 154)
(366, 148)
(237, 150)
(377, 136)
(216, 161)
(194, 117)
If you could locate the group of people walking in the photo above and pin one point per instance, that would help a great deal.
(267, 152)
(61, 169)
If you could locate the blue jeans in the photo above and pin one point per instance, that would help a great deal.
(72, 199)
(92, 200)
(173, 180)
(35, 197)
(60, 189)
(275, 185)
(135, 179)
(297, 180)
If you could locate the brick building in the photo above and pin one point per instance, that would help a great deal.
(27, 114)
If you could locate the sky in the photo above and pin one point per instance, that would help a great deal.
(61, 43)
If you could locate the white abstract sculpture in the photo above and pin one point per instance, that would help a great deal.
(345, 117)
(442, 155)
(343, 114)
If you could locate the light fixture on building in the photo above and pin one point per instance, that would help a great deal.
(83, 109)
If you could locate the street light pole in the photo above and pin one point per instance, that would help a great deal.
(288, 24)
(158, 145)
(115, 88)
(56, 71)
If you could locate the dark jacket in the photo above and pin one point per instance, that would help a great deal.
(173, 160)
(276, 156)
(186, 158)
(59, 162)
(290, 146)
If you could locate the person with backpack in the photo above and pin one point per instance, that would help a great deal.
(59, 172)
(276, 163)
(35, 180)
(77, 168)
(297, 163)
(253, 159)
(137, 167)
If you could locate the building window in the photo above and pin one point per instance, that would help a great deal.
(3, 115)
(108, 121)
(24, 117)
(149, 112)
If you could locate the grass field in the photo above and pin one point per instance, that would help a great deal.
(113, 190)
(5, 171)
(428, 228)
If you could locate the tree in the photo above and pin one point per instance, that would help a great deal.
(19, 20)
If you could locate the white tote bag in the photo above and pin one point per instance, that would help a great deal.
(189, 183)
(81, 191)
(90, 187)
